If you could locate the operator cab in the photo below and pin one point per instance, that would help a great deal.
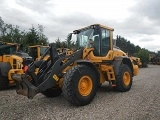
(37, 51)
(8, 49)
(100, 35)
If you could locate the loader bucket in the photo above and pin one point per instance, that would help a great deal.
(24, 86)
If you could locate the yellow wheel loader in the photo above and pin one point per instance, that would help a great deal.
(79, 74)
(12, 60)
(136, 61)
(36, 51)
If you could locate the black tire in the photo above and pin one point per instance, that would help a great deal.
(100, 84)
(52, 92)
(124, 79)
(80, 85)
(4, 82)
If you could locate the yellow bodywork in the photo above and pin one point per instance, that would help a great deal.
(136, 61)
(104, 69)
(16, 67)
(7, 56)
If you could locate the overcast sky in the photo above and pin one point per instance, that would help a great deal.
(136, 20)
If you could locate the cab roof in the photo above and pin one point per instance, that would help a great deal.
(90, 26)
(7, 43)
(38, 46)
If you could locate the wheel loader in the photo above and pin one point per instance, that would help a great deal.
(36, 51)
(136, 61)
(79, 74)
(12, 60)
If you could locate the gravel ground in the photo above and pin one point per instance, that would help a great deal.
(140, 103)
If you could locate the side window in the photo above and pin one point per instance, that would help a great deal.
(12, 49)
(42, 50)
(33, 52)
(105, 42)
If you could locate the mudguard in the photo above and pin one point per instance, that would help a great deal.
(5, 68)
(90, 64)
(122, 60)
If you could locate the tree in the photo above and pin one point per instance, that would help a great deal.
(58, 43)
(137, 48)
(1, 27)
(35, 36)
(11, 33)
(69, 43)
(143, 54)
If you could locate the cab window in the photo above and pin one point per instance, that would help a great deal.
(33, 52)
(42, 50)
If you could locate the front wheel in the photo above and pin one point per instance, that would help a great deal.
(124, 79)
(80, 85)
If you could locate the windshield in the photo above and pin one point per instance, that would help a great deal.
(33, 52)
(42, 50)
(7, 49)
(84, 36)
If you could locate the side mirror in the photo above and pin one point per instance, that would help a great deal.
(69, 36)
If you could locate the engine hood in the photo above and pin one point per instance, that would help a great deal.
(23, 55)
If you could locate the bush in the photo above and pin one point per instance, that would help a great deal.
(143, 54)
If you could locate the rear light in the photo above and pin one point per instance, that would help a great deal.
(25, 68)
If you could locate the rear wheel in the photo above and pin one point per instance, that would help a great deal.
(4, 82)
(52, 92)
(124, 79)
(80, 85)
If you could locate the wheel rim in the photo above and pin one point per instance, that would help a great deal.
(85, 85)
(126, 78)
